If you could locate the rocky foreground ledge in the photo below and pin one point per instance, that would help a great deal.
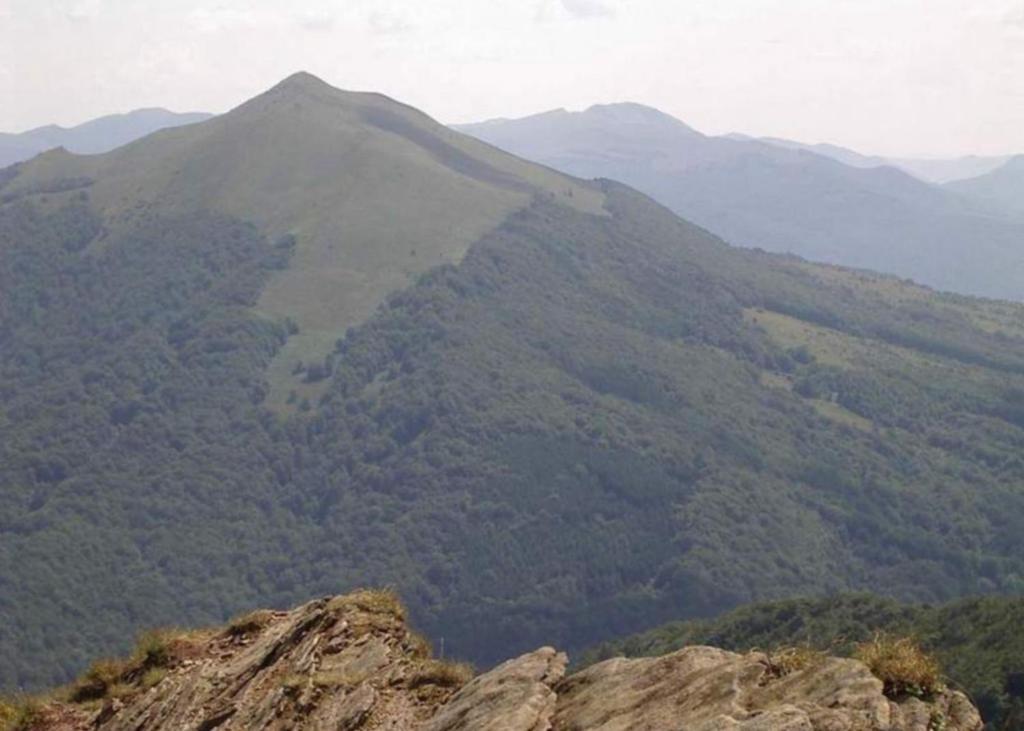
(350, 663)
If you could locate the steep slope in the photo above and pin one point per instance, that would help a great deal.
(592, 418)
(350, 663)
(977, 641)
(789, 200)
(1001, 190)
(92, 137)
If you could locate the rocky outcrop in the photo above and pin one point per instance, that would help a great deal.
(706, 689)
(516, 696)
(351, 664)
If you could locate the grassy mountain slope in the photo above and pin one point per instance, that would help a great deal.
(597, 417)
(374, 193)
(92, 137)
(757, 194)
(978, 641)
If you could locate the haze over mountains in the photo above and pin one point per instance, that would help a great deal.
(92, 137)
(1001, 190)
(758, 194)
(323, 341)
(933, 170)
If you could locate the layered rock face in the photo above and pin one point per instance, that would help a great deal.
(350, 663)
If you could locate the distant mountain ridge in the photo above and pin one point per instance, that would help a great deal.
(933, 170)
(95, 136)
(999, 191)
(758, 194)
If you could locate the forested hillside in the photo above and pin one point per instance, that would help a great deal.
(589, 418)
(978, 641)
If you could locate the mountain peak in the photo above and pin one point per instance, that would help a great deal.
(635, 113)
(302, 81)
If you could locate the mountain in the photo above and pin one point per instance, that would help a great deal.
(977, 641)
(92, 137)
(836, 152)
(929, 169)
(376, 192)
(544, 409)
(787, 200)
(1001, 190)
(351, 662)
(946, 170)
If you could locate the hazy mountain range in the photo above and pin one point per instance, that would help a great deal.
(1001, 190)
(933, 170)
(322, 341)
(92, 137)
(759, 194)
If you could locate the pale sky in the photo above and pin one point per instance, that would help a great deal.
(940, 77)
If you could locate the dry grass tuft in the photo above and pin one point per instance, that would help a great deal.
(17, 714)
(151, 677)
(250, 624)
(442, 674)
(901, 665)
(374, 601)
(419, 646)
(783, 661)
(154, 648)
(99, 679)
(154, 652)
